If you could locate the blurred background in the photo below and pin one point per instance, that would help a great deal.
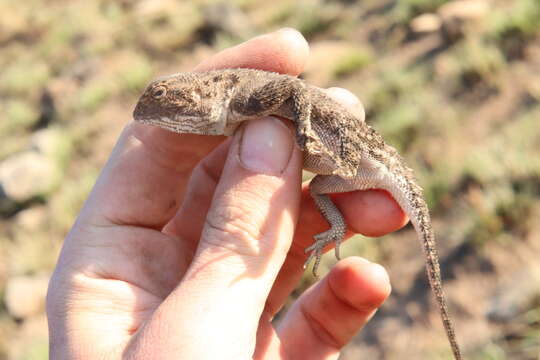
(454, 85)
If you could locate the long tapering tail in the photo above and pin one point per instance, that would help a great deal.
(410, 197)
(425, 234)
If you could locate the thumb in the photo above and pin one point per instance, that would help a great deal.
(215, 310)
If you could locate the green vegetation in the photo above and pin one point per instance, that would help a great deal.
(37, 350)
(512, 27)
(93, 95)
(464, 112)
(354, 60)
(20, 115)
(310, 17)
(405, 10)
(523, 18)
(24, 76)
(135, 77)
(311, 20)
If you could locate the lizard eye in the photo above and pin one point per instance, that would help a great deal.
(159, 91)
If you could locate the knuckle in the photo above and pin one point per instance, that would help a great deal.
(234, 228)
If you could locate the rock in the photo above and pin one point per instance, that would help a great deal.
(49, 141)
(31, 219)
(26, 175)
(16, 24)
(154, 8)
(426, 23)
(224, 17)
(457, 14)
(34, 172)
(464, 10)
(25, 295)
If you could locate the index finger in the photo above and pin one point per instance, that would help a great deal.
(144, 180)
(284, 51)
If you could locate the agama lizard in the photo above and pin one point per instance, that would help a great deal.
(344, 152)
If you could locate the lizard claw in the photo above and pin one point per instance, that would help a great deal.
(317, 254)
(328, 237)
(316, 249)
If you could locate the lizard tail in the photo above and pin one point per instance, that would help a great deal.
(412, 202)
(425, 232)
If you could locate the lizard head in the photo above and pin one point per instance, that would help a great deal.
(181, 104)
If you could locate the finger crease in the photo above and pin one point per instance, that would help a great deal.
(209, 171)
(229, 236)
(320, 330)
(361, 309)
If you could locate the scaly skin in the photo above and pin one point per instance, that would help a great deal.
(344, 152)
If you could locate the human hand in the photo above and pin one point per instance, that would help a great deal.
(186, 247)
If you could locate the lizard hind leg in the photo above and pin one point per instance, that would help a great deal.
(331, 213)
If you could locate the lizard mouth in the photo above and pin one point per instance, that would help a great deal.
(183, 124)
(163, 122)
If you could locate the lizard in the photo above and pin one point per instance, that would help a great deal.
(344, 152)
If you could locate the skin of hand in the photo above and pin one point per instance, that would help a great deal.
(188, 245)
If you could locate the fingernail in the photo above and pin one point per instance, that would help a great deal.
(286, 31)
(294, 37)
(348, 99)
(266, 146)
(289, 30)
(344, 96)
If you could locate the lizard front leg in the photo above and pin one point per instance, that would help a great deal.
(284, 97)
(287, 97)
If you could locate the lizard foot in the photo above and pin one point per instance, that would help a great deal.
(316, 249)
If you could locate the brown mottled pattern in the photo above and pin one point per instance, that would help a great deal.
(344, 152)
